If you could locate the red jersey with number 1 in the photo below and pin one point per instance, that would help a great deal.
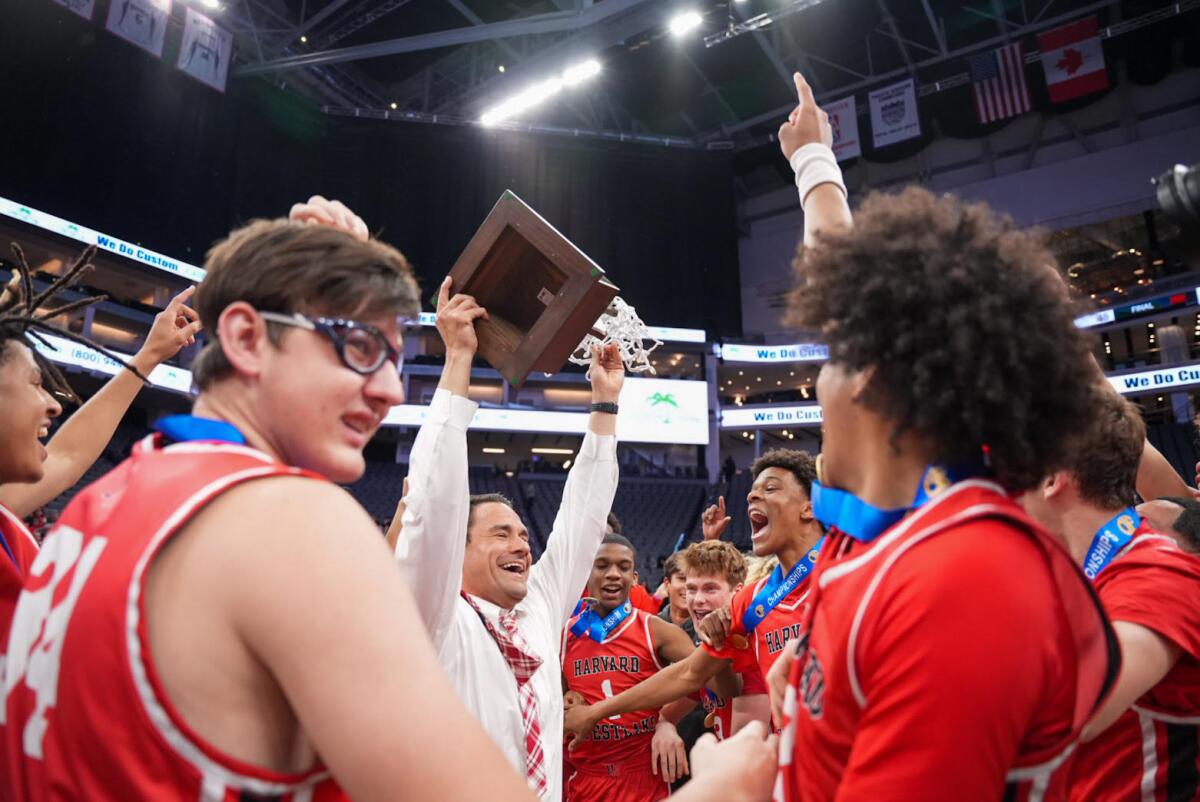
(957, 656)
(1152, 752)
(87, 716)
(601, 670)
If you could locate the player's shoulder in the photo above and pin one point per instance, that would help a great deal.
(1154, 570)
(1154, 550)
(986, 560)
(285, 517)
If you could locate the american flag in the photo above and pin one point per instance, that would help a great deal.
(998, 81)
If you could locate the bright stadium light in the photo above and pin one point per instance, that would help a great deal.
(685, 22)
(539, 93)
(581, 72)
(519, 103)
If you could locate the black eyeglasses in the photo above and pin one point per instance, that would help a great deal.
(362, 347)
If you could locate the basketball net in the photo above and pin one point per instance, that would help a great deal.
(619, 324)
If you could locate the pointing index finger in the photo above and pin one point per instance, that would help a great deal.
(181, 298)
(803, 90)
(444, 293)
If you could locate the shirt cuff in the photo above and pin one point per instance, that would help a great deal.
(599, 447)
(452, 410)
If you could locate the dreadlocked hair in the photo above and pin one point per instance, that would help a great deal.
(21, 322)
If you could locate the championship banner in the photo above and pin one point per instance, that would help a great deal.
(84, 8)
(206, 50)
(141, 22)
(894, 116)
(843, 119)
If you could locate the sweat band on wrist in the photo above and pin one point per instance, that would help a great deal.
(814, 164)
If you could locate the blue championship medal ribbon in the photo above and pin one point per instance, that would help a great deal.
(848, 513)
(590, 624)
(777, 588)
(184, 428)
(1109, 540)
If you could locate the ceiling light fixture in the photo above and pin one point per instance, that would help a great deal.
(552, 450)
(488, 450)
(685, 22)
(539, 93)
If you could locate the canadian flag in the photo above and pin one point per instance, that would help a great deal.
(1074, 60)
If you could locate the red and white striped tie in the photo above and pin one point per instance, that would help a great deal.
(524, 664)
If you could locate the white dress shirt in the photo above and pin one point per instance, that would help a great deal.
(431, 550)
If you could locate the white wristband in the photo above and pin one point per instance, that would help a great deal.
(814, 164)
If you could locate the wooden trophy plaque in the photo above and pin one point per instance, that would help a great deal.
(543, 295)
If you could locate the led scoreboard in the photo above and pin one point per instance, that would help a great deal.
(1175, 300)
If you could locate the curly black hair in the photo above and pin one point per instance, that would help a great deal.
(967, 325)
(800, 463)
(20, 320)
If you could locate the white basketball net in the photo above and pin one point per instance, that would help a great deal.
(620, 325)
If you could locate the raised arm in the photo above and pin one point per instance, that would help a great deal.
(806, 140)
(430, 552)
(1156, 478)
(557, 578)
(81, 440)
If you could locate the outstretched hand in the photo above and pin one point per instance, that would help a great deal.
(808, 122)
(714, 520)
(607, 373)
(456, 318)
(738, 769)
(578, 722)
(332, 213)
(173, 329)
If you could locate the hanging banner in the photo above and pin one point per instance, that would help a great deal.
(84, 8)
(206, 50)
(894, 116)
(141, 22)
(843, 119)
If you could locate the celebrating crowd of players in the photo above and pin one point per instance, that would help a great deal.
(967, 605)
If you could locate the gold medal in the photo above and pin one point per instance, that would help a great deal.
(739, 641)
(710, 720)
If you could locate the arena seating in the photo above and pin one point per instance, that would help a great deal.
(653, 510)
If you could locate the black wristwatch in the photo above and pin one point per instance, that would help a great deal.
(604, 406)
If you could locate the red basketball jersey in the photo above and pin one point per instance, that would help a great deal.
(87, 717)
(957, 656)
(599, 670)
(766, 643)
(720, 711)
(24, 548)
(13, 569)
(1152, 752)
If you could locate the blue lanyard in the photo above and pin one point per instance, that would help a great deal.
(1109, 540)
(858, 519)
(778, 587)
(597, 629)
(182, 428)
